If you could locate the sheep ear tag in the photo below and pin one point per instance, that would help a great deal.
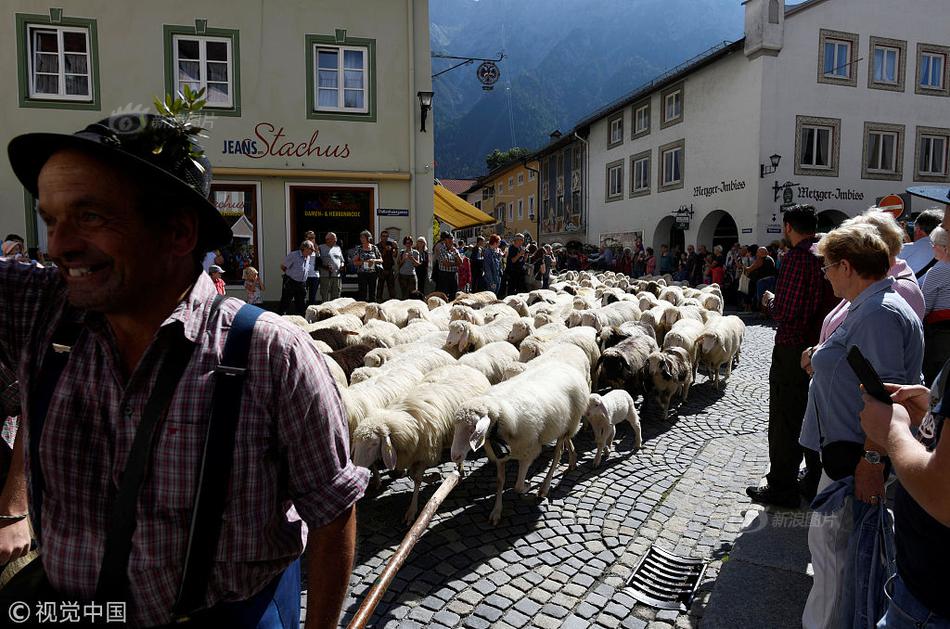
(389, 454)
(478, 436)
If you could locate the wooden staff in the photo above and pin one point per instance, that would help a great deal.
(408, 542)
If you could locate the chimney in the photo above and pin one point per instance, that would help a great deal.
(764, 27)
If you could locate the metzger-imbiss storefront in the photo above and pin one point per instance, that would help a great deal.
(313, 119)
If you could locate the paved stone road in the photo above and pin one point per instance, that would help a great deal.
(563, 562)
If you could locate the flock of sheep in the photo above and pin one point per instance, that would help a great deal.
(419, 379)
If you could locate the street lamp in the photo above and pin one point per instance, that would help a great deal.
(425, 102)
(765, 170)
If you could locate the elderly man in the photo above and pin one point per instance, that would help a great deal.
(296, 267)
(448, 260)
(919, 254)
(332, 263)
(146, 333)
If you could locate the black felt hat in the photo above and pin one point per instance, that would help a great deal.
(156, 147)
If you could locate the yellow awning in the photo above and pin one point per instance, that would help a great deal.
(456, 211)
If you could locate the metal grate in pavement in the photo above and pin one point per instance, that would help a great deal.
(666, 581)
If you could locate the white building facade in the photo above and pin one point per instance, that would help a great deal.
(851, 96)
(314, 117)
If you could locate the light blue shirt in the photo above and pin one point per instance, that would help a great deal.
(891, 337)
(298, 265)
(918, 254)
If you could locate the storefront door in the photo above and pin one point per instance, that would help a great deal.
(344, 210)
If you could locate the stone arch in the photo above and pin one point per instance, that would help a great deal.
(718, 228)
(667, 234)
(829, 219)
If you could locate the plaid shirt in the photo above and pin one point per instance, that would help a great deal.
(802, 296)
(291, 445)
(448, 261)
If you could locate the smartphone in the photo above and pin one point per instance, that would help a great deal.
(868, 376)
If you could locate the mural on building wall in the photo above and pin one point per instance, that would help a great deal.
(562, 209)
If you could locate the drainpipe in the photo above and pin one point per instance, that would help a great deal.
(586, 181)
(413, 182)
(537, 197)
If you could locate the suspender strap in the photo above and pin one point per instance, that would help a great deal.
(216, 462)
(41, 394)
(113, 574)
(919, 274)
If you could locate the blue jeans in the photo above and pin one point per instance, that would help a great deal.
(904, 611)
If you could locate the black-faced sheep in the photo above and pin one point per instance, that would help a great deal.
(672, 373)
(623, 366)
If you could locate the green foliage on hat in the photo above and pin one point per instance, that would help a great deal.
(180, 112)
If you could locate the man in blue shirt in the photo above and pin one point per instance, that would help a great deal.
(919, 254)
(296, 267)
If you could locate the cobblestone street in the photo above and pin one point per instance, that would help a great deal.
(563, 562)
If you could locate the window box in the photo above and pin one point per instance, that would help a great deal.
(837, 58)
(341, 78)
(817, 146)
(57, 63)
(615, 180)
(932, 71)
(615, 130)
(672, 166)
(641, 120)
(672, 102)
(930, 155)
(640, 174)
(883, 156)
(887, 63)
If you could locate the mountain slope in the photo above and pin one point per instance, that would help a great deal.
(563, 60)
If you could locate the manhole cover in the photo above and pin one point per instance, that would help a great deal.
(666, 581)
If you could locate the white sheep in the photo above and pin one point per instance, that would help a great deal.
(519, 304)
(327, 309)
(394, 311)
(614, 313)
(434, 301)
(672, 315)
(711, 301)
(516, 417)
(720, 344)
(375, 333)
(416, 330)
(412, 434)
(685, 333)
(321, 347)
(672, 294)
(492, 360)
(522, 329)
(341, 322)
(603, 414)
(382, 355)
(541, 294)
(654, 318)
(466, 336)
(672, 374)
(361, 398)
(423, 358)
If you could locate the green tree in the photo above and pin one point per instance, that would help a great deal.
(498, 158)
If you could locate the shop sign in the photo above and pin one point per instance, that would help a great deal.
(682, 216)
(746, 230)
(837, 194)
(271, 141)
(391, 212)
(773, 229)
(722, 186)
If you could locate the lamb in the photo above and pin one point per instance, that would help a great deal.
(720, 344)
(394, 311)
(492, 360)
(413, 433)
(672, 373)
(327, 309)
(350, 358)
(516, 417)
(468, 337)
(376, 333)
(603, 414)
(685, 333)
(613, 314)
(623, 365)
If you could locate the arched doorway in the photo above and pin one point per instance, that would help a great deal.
(666, 233)
(718, 228)
(830, 219)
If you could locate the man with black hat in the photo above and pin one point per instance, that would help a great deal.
(146, 334)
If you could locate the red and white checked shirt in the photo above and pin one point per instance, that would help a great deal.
(291, 445)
